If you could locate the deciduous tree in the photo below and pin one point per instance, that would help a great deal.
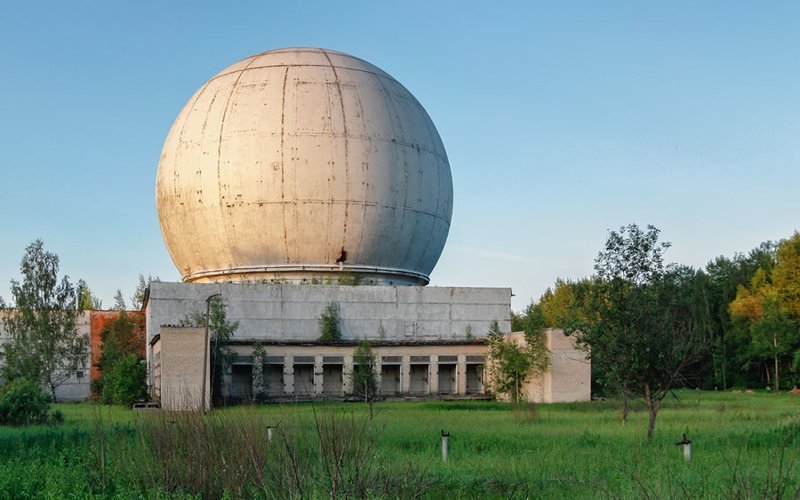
(769, 309)
(363, 377)
(514, 363)
(637, 317)
(43, 343)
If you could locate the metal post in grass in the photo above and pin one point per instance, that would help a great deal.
(445, 437)
(204, 406)
(687, 448)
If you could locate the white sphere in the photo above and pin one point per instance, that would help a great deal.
(304, 163)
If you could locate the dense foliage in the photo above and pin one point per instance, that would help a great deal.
(126, 382)
(744, 310)
(43, 344)
(768, 311)
(23, 402)
(636, 319)
(329, 328)
(120, 382)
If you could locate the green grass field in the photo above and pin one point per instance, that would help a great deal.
(744, 445)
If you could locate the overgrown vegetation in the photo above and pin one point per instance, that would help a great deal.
(123, 373)
(329, 328)
(744, 446)
(23, 402)
(513, 362)
(126, 383)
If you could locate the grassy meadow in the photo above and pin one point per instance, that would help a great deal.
(744, 446)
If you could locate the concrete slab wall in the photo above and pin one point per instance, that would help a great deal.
(569, 376)
(181, 368)
(291, 312)
(570, 371)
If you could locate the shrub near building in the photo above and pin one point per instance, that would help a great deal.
(123, 378)
(23, 402)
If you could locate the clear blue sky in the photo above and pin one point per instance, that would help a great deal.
(561, 120)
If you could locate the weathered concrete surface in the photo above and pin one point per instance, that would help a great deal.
(291, 312)
(300, 163)
(284, 356)
(569, 377)
(176, 374)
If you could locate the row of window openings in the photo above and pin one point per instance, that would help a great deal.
(333, 378)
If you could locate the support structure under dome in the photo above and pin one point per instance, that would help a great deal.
(313, 273)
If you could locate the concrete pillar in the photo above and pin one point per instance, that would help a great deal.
(433, 375)
(227, 382)
(405, 375)
(288, 375)
(378, 375)
(347, 375)
(461, 374)
(318, 375)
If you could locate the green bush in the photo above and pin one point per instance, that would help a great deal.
(329, 328)
(23, 402)
(127, 381)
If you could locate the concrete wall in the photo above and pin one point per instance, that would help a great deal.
(569, 376)
(460, 357)
(177, 368)
(291, 312)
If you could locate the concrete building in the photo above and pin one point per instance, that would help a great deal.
(90, 324)
(567, 379)
(299, 178)
(300, 371)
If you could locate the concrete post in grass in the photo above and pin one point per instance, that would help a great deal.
(445, 437)
(687, 448)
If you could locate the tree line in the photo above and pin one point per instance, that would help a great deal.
(651, 326)
(745, 309)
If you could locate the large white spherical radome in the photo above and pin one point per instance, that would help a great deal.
(302, 164)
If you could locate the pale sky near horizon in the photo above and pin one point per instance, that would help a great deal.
(561, 120)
